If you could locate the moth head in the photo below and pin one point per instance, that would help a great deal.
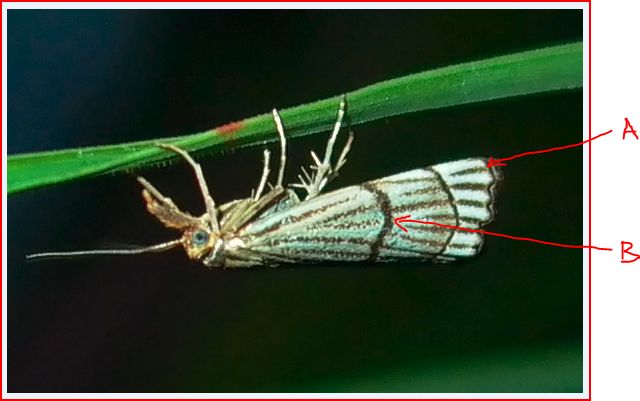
(199, 242)
(198, 239)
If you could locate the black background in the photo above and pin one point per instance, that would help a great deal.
(508, 320)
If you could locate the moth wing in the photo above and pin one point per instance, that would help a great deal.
(459, 193)
(357, 223)
(337, 226)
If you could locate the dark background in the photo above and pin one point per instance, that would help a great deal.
(507, 320)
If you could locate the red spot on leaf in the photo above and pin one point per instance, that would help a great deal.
(230, 128)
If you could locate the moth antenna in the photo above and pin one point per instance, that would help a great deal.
(104, 252)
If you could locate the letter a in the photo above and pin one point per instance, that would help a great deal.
(628, 129)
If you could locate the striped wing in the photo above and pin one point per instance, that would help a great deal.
(357, 223)
(459, 193)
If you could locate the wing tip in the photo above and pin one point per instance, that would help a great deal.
(474, 187)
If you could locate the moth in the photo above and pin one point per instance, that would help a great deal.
(275, 226)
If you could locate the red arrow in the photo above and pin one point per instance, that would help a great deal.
(407, 219)
(500, 162)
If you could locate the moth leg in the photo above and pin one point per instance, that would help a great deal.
(208, 200)
(263, 179)
(283, 147)
(324, 171)
(343, 157)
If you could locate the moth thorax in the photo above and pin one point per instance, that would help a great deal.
(216, 258)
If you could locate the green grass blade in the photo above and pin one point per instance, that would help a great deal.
(541, 70)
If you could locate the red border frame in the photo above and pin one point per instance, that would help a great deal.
(589, 206)
(589, 397)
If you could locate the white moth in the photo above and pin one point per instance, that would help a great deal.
(273, 226)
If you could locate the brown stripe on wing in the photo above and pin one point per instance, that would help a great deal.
(472, 170)
(438, 218)
(349, 225)
(299, 254)
(422, 191)
(420, 205)
(318, 239)
(473, 203)
(469, 186)
(404, 181)
(446, 189)
(385, 205)
(295, 219)
(435, 243)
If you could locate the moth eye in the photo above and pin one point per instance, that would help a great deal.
(200, 238)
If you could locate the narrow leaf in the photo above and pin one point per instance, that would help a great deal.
(541, 70)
